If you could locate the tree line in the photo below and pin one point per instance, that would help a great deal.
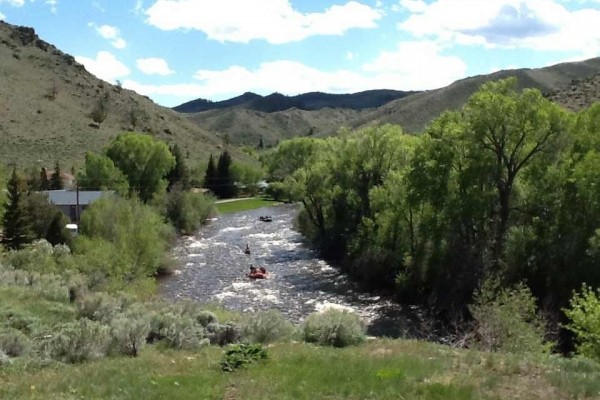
(505, 190)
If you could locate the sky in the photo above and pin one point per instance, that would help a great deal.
(174, 51)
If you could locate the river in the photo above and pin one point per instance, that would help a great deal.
(213, 269)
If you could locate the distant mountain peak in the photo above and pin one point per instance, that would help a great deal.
(307, 101)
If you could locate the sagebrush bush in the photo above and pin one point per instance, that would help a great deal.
(508, 321)
(205, 318)
(223, 334)
(98, 306)
(79, 341)
(130, 329)
(338, 328)
(4, 359)
(52, 287)
(584, 313)
(176, 330)
(266, 327)
(18, 320)
(14, 343)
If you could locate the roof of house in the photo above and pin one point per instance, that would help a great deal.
(69, 197)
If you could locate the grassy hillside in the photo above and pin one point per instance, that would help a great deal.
(47, 99)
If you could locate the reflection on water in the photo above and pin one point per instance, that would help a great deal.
(214, 267)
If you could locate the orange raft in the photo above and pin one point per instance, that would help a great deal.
(257, 275)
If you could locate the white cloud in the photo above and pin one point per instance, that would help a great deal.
(417, 66)
(274, 21)
(349, 55)
(543, 25)
(110, 33)
(426, 70)
(2, 16)
(14, 3)
(97, 5)
(53, 5)
(106, 66)
(154, 66)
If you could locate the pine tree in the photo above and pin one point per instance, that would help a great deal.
(179, 174)
(226, 187)
(15, 221)
(44, 182)
(57, 231)
(261, 144)
(56, 181)
(210, 175)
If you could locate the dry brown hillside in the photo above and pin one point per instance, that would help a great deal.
(47, 100)
(579, 94)
(414, 112)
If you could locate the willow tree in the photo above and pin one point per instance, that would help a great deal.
(143, 160)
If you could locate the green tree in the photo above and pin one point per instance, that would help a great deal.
(17, 231)
(100, 173)
(144, 161)
(135, 231)
(56, 180)
(512, 128)
(39, 212)
(210, 175)
(57, 230)
(225, 186)
(44, 182)
(179, 174)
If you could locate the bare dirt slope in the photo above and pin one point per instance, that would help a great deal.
(46, 102)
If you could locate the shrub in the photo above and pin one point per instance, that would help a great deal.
(205, 318)
(14, 343)
(99, 307)
(130, 329)
(187, 211)
(176, 331)
(584, 313)
(4, 359)
(242, 354)
(266, 327)
(51, 287)
(338, 328)
(79, 341)
(223, 334)
(137, 234)
(508, 321)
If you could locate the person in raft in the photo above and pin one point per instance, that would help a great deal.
(257, 273)
(247, 249)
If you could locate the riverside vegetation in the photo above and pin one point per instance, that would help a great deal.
(461, 217)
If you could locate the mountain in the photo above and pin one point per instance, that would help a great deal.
(48, 101)
(579, 94)
(306, 101)
(413, 111)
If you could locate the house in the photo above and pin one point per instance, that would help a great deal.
(68, 200)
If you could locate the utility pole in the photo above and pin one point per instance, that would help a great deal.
(77, 206)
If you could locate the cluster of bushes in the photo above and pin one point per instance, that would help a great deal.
(86, 324)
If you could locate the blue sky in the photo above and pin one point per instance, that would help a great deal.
(178, 50)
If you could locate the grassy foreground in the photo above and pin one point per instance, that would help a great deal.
(380, 369)
(243, 204)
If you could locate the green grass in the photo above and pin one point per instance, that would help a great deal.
(245, 204)
(379, 369)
